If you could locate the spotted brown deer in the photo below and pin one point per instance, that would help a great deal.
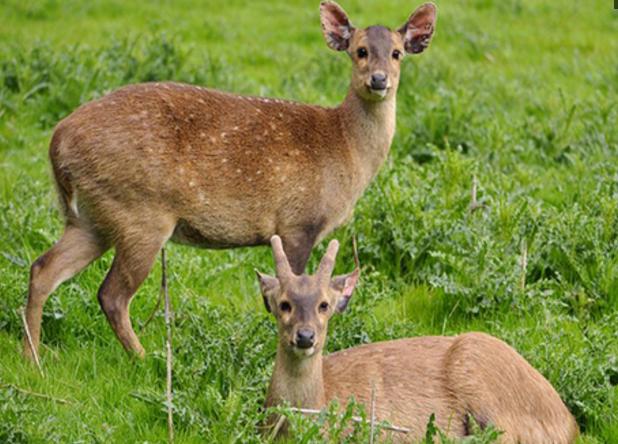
(155, 162)
(472, 375)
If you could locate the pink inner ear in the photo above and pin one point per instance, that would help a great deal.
(336, 17)
(350, 284)
(421, 22)
(336, 26)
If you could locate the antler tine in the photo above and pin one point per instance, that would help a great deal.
(282, 265)
(327, 264)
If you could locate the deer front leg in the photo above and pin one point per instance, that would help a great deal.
(297, 247)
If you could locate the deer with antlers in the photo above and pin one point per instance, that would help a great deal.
(165, 161)
(472, 375)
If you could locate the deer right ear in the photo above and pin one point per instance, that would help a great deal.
(336, 26)
(418, 30)
(269, 287)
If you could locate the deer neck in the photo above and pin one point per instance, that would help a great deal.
(297, 381)
(369, 127)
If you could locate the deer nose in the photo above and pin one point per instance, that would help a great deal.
(304, 338)
(378, 80)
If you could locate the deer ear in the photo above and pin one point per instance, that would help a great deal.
(336, 26)
(418, 30)
(344, 285)
(269, 287)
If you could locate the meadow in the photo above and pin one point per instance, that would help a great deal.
(517, 96)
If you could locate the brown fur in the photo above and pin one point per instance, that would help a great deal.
(473, 374)
(160, 161)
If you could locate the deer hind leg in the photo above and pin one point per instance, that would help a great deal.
(77, 248)
(135, 254)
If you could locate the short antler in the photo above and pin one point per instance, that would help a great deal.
(327, 264)
(282, 266)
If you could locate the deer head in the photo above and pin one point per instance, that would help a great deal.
(376, 51)
(304, 304)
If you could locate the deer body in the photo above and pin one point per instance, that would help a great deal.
(452, 377)
(226, 170)
(160, 161)
(471, 375)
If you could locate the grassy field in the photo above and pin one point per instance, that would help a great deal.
(521, 94)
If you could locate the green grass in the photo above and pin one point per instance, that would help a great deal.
(521, 94)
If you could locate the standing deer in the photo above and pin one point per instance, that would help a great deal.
(155, 162)
(472, 374)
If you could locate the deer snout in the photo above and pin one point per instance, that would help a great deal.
(305, 338)
(379, 81)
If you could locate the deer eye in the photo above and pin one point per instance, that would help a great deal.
(285, 306)
(362, 52)
(323, 307)
(396, 54)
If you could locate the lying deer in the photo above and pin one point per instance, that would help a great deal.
(165, 161)
(470, 375)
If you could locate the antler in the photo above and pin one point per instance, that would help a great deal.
(282, 266)
(327, 264)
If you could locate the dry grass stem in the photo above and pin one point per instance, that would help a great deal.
(523, 262)
(168, 346)
(277, 427)
(36, 394)
(373, 413)
(35, 354)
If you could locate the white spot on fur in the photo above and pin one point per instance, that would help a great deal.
(223, 134)
(239, 171)
(201, 101)
(224, 160)
(73, 203)
(191, 183)
(202, 134)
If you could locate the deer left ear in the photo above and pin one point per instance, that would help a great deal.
(344, 285)
(269, 287)
(418, 30)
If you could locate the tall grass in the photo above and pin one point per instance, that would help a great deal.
(509, 93)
